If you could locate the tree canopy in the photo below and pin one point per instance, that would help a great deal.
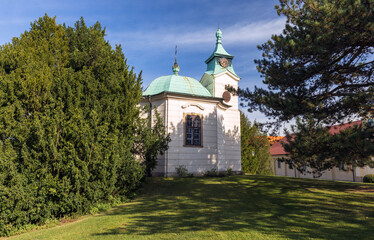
(68, 124)
(256, 158)
(320, 70)
(321, 65)
(316, 147)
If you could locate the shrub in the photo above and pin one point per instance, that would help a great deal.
(150, 142)
(369, 178)
(214, 173)
(229, 172)
(182, 171)
(211, 173)
(221, 174)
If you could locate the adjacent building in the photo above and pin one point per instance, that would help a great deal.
(341, 173)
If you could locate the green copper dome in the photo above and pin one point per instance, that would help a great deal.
(176, 84)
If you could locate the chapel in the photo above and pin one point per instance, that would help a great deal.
(202, 117)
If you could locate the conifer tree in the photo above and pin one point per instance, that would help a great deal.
(321, 65)
(68, 113)
(320, 69)
(151, 139)
(313, 146)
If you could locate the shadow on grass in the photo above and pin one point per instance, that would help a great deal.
(290, 208)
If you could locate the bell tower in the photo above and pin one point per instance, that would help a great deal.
(220, 73)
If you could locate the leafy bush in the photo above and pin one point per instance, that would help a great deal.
(255, 148)
(229, 172)
(211, 173)
(369, 178)
(182, 171)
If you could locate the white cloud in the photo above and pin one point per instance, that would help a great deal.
(239, 34)
(253, 32)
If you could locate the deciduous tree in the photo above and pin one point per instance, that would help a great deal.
(255, 146)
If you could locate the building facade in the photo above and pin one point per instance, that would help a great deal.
(341, 173)
(202, 117)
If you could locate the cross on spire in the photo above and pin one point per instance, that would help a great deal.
(176, 51)
(176, 66)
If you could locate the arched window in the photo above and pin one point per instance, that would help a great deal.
(193, 130)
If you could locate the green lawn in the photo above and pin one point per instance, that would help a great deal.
(239, 207)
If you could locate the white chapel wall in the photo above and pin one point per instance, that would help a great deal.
(220, 87)
(159, 104)
(196, 159)
(229, 140)
(228, 129)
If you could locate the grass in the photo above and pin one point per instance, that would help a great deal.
(238, 207)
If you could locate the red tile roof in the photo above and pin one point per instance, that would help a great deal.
(337, 128)
(277, 148)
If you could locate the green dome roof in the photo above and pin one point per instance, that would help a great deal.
(176, 84)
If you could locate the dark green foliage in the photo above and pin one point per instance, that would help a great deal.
(255, 147)
(211, 173)
(67, 124)
(321, 68)
(321, 65)
(214, 173)
(369, 178)
(150, 141)
(312, 145)
(182, 171)
(229, 172)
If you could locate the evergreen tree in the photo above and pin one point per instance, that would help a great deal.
(315, 147)
(151, 140)
(321, 65)
(255, 148)
(68, 114)
(320, 69)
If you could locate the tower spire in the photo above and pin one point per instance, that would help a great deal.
(176, 51)
(176, 66)
(219, 35)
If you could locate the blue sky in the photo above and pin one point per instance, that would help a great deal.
(149, 30)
